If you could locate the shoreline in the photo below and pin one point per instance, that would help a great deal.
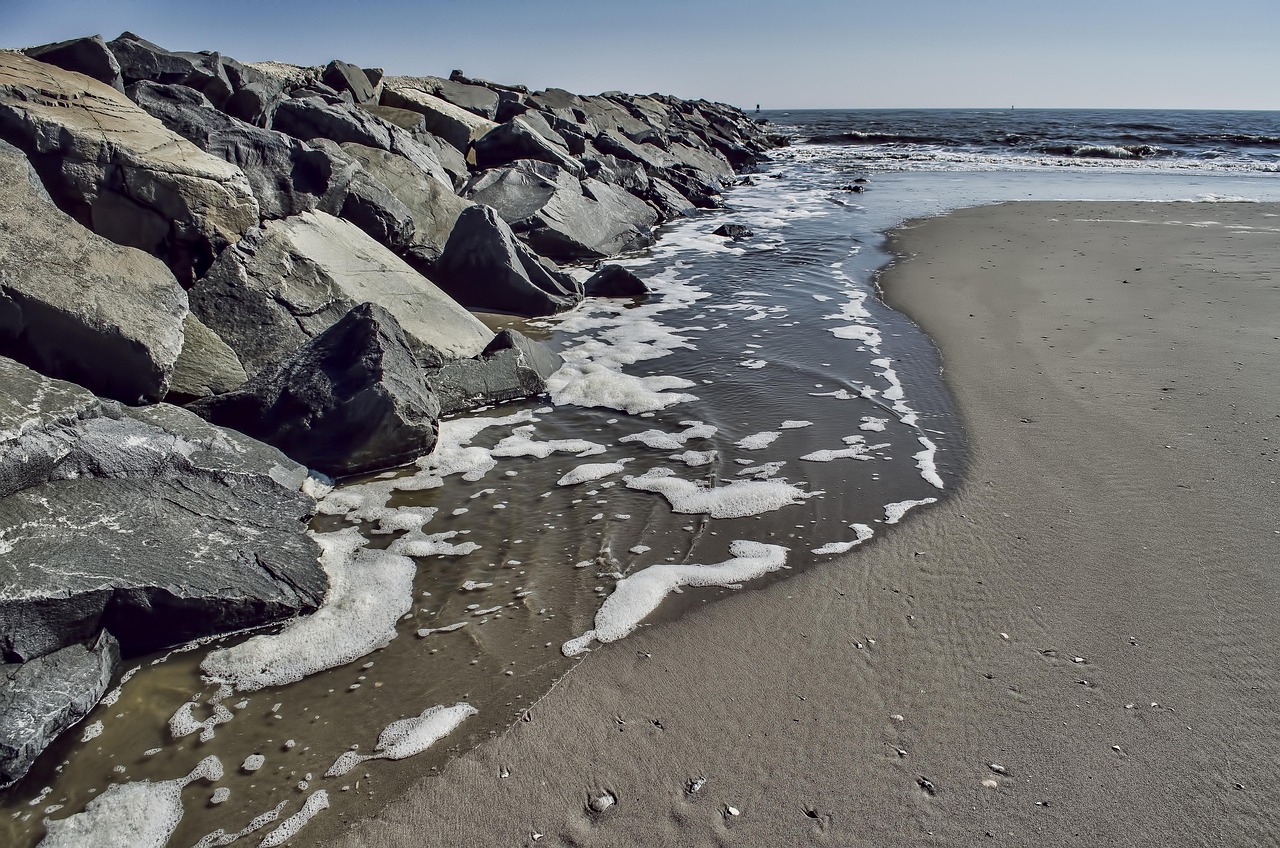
(876, 697)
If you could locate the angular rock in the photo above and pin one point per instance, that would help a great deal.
(308, 117)
(406, 119)
(88, 56)
(516, 193)
(512, 366)
(290, 280)
(353, 399)
(614, 281)
(287, 176)
(77, 306)
(344, 76)
(373, 208)
(206, 366)
(190, 529)
(737, 232)
(515, 140)
(141, 60)
(454, 124)
(476, 99)
(669, 202)
(118, 170)
(483, 267)
(41, 698)
(626, 175)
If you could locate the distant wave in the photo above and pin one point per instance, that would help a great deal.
(1104, 151)
(856, 137)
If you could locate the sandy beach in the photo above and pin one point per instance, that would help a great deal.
(1077, 647)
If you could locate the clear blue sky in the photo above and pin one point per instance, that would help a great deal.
(1223, 54)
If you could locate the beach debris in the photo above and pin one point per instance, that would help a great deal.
(505, 773)
(601, 802)
(535, 836)
(1117, 749)
(927, 785)
(990, 784)
(997, 768)
(1078, 660)
(694, 784)
(731, 811)
(897, 717)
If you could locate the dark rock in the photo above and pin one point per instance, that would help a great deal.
(459, 76)
(287, 176)
(483, 267)
(343, 76)
(141, 60)
(701, 189)
(41, 698)
(119, 171)
(406, 119)
(88, 56)
(476, 99)
(292, 279)
(308, 118)
(618, 172)
(512, 366)
(516, 193)
(855, 187)
(190, 529)
(351, 400)
(452, 123)
(669, 202)
(517, 140)
(373, 208)
(206, 366)
(77, 306)
(374, 76)
(614, 281)
(737, 232)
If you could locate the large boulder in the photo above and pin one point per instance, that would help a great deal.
(255, 94)
(287, 176)
(353, 399)
(43, 697)
(484, 267)
(206, 366)
(310, 117)
(512, 366)
(516, 139)
(120, 171)
(290, 280)
(88, 56)
(614, 281)
(77, 306)
(189, 529)
(139, 60)
(344, 76)
(452, 123)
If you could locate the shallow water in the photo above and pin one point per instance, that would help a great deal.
(760, 335)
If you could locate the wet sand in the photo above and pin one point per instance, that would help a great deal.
(1076, 647)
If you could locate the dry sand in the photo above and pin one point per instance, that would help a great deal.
(1094, 611)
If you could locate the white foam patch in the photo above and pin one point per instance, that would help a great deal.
(319, 800)
(895, 393)
(519, 443)
(894, 512)
(140, 814)
(183, 722)
(427, 631)
(795, 425)
(591, 471)
(861, 534)
(735, 500)
(858, 449)
(695, 459)
(638, 595)
(220, 838)
(252, 763)
(925, 462)
(415, 543)
(754, 364)
(91, 732)
(408, 736)
(763, 471)
(594, 385)
(368, 592)
(662, 440)
(873, 424)
(870, 336)
(758, 441)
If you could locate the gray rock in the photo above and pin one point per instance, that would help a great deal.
(516, 193)
(119, 171)
(290, 280)
(667, 199)
(77, 306)
(88, 56)
(512, 366)
(344, 76)
(476, 99)
(206, 366)
(42, 698)
(614, 281)
(406, 119)
(452, 123)
(372, 207)
(736, 232)
(309, 117)
(287, 176)
(624, 174)
(515, 140)
(190, 529)
(351, 400)
(483, 267)
(139, 59)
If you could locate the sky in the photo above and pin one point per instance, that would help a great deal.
(1159, 54)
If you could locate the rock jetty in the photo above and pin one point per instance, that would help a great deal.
(221, 282)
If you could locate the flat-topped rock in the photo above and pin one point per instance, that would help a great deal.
(119, 171)
(88, 56)
(452, 123)
(77, 306)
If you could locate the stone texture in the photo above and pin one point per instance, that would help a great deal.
(614, 281)
(139, 59)
(512, 366)
(452, 123)
(77, 306)
(88, 56)
(42, 698)
(353, 399)
(118, 170)
(206, 366)
(516, 139)
(344, 76)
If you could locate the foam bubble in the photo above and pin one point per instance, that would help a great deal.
(861, 534)
(795, 425)
(735, 500)
(594, 385)
(662, 440)
(636, 596)
(925, 462)
(694, 459)
(319, 800)
(220, 837)
(591, 471)
(873, 424)
(893, 512)
(368, 592)
(758, 441)
(416, 543)
(519, 443)
(408, 736)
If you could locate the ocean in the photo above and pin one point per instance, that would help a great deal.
(761, 411)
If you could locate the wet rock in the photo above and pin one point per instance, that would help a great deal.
(483, 267)
(343, 76)
(139, 60)
(88, 56)
(77, 306)
(286, 175)
(41, 698)
(452, 123)
(190, 529)
(290, 280)
(517, 140)
(614, 281)
(737, 232)
(206, 366)
(351, 400)
(512, 366)
(119, 171)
